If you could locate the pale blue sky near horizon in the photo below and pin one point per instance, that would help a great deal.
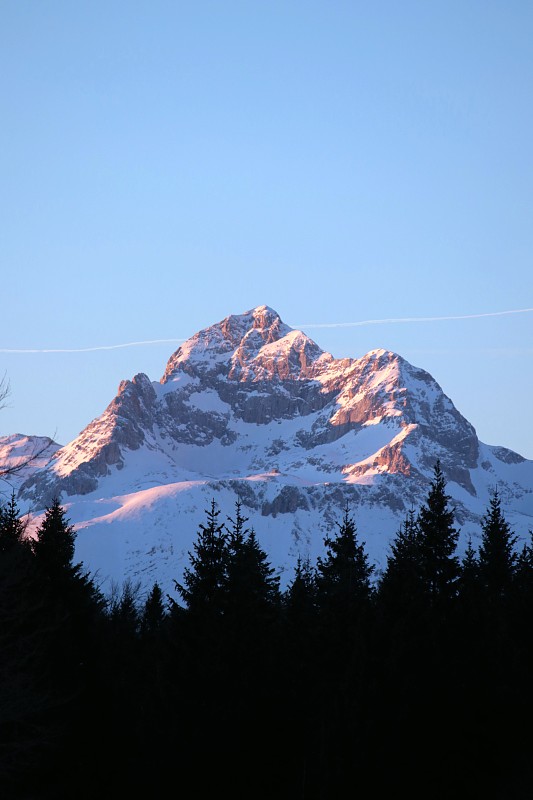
(165, 164)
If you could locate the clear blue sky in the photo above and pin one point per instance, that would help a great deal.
(165, 164)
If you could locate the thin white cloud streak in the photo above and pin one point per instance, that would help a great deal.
(390, 321)
(394, 320)
(90, 349)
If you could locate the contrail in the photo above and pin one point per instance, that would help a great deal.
(411, 319)
(389, 321)
(90, 349)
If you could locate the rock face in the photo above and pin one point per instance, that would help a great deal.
(250, 408)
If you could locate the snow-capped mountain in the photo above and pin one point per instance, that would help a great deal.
(253, 409)
(20, 457)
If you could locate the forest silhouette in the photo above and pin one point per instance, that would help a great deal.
(417, 679)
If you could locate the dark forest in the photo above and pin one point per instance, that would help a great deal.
(416, 680)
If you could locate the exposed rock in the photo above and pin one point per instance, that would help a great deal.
(287, 502)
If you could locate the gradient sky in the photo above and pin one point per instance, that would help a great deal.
(165, 164)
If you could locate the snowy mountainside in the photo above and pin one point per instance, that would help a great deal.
(20, 457)
(250, 408)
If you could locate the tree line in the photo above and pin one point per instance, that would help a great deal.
(415, 680)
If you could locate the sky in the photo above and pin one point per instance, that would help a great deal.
(166, 164)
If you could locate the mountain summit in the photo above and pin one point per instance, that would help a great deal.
(246, 347)
(251, 408)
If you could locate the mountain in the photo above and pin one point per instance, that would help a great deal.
(253, 409)
(20, 457)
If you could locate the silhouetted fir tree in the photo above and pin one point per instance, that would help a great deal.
(300, 597)
(64, 583)
(121, 690)
(300, 621)
(497, 555)
(469, 568)
(124, 607)
(522, 633)
(523, 605)
(301, 680)
(400, 585)
(469, 638)
(159, 740)
(12, 527)
(251, 587)
(54, 546)
(54, 550)
(198, 651)
(497, 568)
(71, 615)
(252, 600)
(504, 699)
(343, 576)
(469, 586)
(204, 582)
(251, 608)
(265, 592)
(399, 664)
(345, 596)
(237, 581)
(438, 543)
(418, 650)
(24, 698)
(401, 606)
(154, 612)
(524, 579)
(498, 660)
(237, 532)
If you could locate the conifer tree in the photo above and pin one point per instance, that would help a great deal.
(438, 543)
(251, 586)
(344, 598)
(251, 604)
(54, 546)
(300, 680)
(197, 640)
(64, 582)
(468, 585)
(497, 555)
(23, 698)
(300, 597)
(400, 586)
(237, 533)
(524, 575)
(12, 527)
(204, 582)
(236, 582)
(56, 610)
(343, 575)
(202, 648)
(300, 632)
(158, 679)
(124, 610)
(266, 589)
(154, 612)
(523, 602)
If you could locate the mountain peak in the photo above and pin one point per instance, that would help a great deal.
(236, 338)
(249, 407)
(263, 316)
